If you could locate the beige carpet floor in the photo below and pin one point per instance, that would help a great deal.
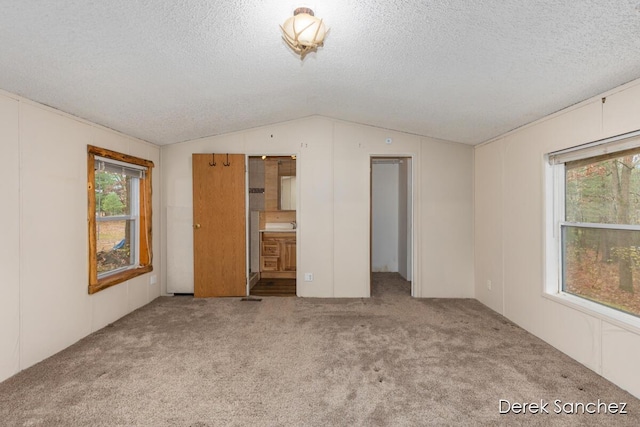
(385, 361)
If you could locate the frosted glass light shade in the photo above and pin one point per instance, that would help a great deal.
(303, 32)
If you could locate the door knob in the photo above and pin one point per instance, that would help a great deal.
(196, 226)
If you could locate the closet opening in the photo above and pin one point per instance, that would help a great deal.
(391, 222)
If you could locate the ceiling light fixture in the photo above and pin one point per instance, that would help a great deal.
(303, 32)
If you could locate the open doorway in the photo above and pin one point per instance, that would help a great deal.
(272, 219)
(391, 225)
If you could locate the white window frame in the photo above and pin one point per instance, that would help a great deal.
(554, 165)
(134, 217)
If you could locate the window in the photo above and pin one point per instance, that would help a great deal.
(596, 224)
(119, 217)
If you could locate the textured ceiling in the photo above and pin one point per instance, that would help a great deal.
(174, 70)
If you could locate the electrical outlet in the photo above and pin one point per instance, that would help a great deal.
(308, 277)
(153, 280)
(489, 284)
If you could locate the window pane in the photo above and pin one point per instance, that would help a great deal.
(603, 265)
(606, 191)
(113, 194)
(114, 245)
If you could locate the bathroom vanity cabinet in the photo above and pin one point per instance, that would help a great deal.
(278, 255)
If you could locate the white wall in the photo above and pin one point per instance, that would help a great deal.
(385, 216)
(45, 305)
(509, 234)
(10, 247)
(334, 204)
(446, 200)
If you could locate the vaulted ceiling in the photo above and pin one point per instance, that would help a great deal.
(174, 70)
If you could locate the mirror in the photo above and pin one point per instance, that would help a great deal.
(287, 183)
(288, 193)
(278, 179)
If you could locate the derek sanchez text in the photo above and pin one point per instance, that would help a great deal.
(559, 407)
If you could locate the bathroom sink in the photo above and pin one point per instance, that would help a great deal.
(279, 226)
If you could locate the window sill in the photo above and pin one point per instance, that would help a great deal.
(122, 276)
(617, 318)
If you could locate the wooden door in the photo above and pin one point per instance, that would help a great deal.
(219, 225)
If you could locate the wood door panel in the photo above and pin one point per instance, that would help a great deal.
(219, 226)
(289, 262)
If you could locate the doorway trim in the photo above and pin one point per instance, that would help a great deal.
(414, 214)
